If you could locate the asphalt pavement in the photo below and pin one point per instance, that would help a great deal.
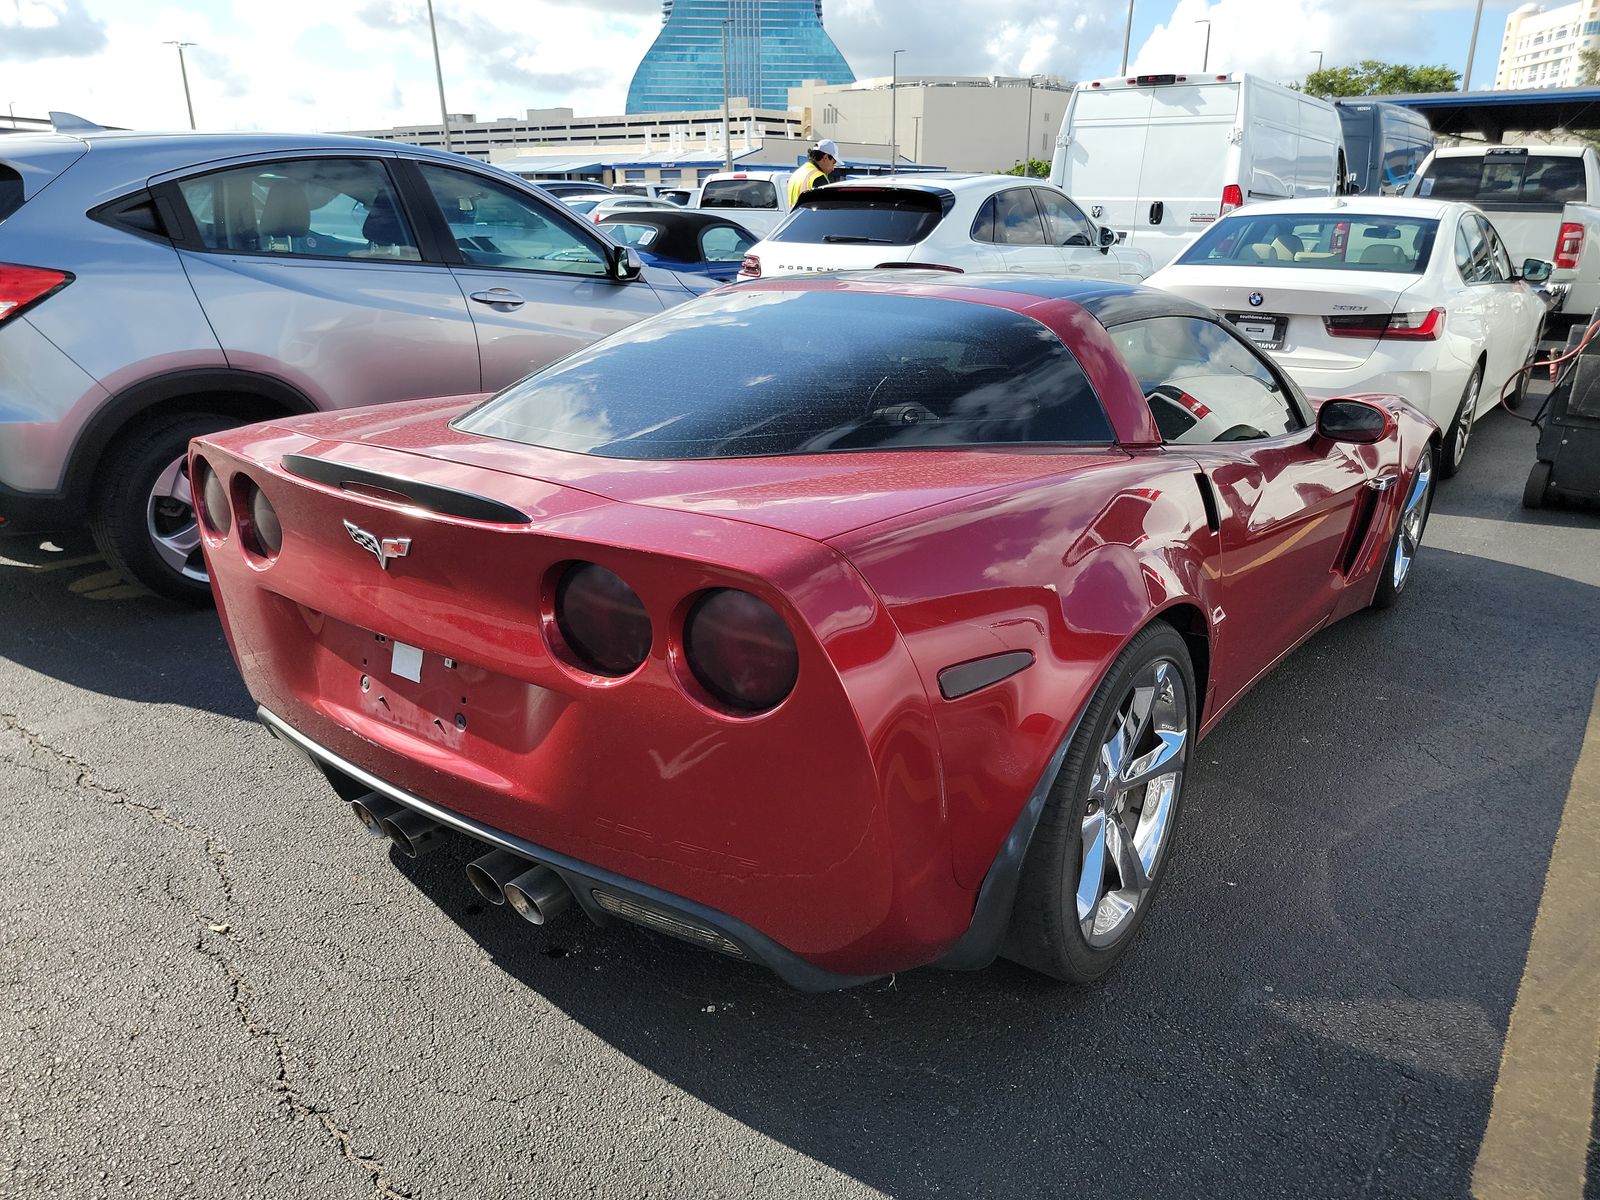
(212, 983)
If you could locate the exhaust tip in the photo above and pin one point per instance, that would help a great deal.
(412, 833)
(490, 874)
(371, 810)
(537, 895)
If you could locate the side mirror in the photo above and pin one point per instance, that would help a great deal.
(1109, 237)
(625, 263)
(1536, 270)
(1352, 421)
(1352, 188)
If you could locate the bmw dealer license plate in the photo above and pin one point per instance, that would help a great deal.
(1264, 329)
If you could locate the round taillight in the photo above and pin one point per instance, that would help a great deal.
(266, 531)
(601, 619)
(214, 510)
(740, 650)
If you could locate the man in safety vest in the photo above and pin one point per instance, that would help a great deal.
(821, 161)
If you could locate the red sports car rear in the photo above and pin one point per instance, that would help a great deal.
(768, 623)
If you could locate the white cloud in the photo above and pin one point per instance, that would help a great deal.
(311, 64)
(1280, 38)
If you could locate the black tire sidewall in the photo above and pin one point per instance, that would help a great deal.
(118, 515)
(1045, 932)
(1447, 466)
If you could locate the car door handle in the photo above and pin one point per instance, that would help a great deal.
(500, 298)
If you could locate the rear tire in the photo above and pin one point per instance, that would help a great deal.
(143, 517)
(1100, 852)
(1536, 492)
(1460, 431)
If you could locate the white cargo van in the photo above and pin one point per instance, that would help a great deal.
(1159, 157)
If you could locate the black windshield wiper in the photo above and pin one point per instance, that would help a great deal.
(853, 240)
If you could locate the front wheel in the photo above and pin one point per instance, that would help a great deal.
(1460, 431)
(1101, 848)
(1396, 569)
(143, 518)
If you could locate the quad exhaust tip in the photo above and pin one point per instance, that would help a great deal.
(413, 833)
(537, 895)
(371, 810)
(491, 873)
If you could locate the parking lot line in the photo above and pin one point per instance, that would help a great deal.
(1536, 1144)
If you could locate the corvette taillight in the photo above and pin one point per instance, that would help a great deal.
(260, 531)
(214, 511)
(1569, 245)
(750, 268)
(23, 287)
(1232, 198)
(601, 620)
(740, 650)
(1413, 326)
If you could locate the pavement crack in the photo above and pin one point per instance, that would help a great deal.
(291, 1096)
(85, 781)
(241, 995)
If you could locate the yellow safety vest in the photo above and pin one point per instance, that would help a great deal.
(806, 176)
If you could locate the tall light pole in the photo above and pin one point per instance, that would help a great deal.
(1205, 60)
(1127, 37)
(1318, 53)
(184, 68)
(438, 71)
(1472, 49)
(894, 113)
(727, 128)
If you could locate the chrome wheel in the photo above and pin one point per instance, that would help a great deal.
(1412, 518)
(1469, 409)
(1133, 796)
(170, 518)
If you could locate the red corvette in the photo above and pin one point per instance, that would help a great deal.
(842, 625)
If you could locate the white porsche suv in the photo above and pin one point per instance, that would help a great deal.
(955, 222)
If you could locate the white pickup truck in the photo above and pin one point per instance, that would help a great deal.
(758, 200)
(1544, 202)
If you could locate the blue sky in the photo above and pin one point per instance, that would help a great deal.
(340, 64)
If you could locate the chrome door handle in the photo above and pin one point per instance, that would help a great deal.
(499, 297)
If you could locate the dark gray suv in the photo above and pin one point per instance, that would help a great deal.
(154, 287)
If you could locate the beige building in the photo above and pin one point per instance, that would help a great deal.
(963, 123)
(557, 127)
(1540, 47)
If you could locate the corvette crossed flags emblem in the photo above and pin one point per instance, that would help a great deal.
(383, 549)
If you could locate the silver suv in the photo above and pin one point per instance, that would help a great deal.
(154, 287)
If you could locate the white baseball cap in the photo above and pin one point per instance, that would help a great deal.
(829, 147)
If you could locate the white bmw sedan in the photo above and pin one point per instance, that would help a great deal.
(1350, 295)
(957, 222)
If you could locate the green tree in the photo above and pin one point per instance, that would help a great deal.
(1034, 168)
(1371, 77)
(1589, 66)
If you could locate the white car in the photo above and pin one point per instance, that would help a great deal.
(1412, 297)
(595, 207)
(961, 223)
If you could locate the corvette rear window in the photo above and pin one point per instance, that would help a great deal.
(754, 373)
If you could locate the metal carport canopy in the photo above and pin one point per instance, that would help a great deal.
(1491, 114)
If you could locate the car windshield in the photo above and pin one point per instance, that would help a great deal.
(1509, 179)
(739, 193)
(1318, 242)
(864, 217)
(752, 373)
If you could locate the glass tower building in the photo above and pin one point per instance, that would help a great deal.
(773, 45)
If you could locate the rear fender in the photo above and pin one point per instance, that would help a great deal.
(1062, 574)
